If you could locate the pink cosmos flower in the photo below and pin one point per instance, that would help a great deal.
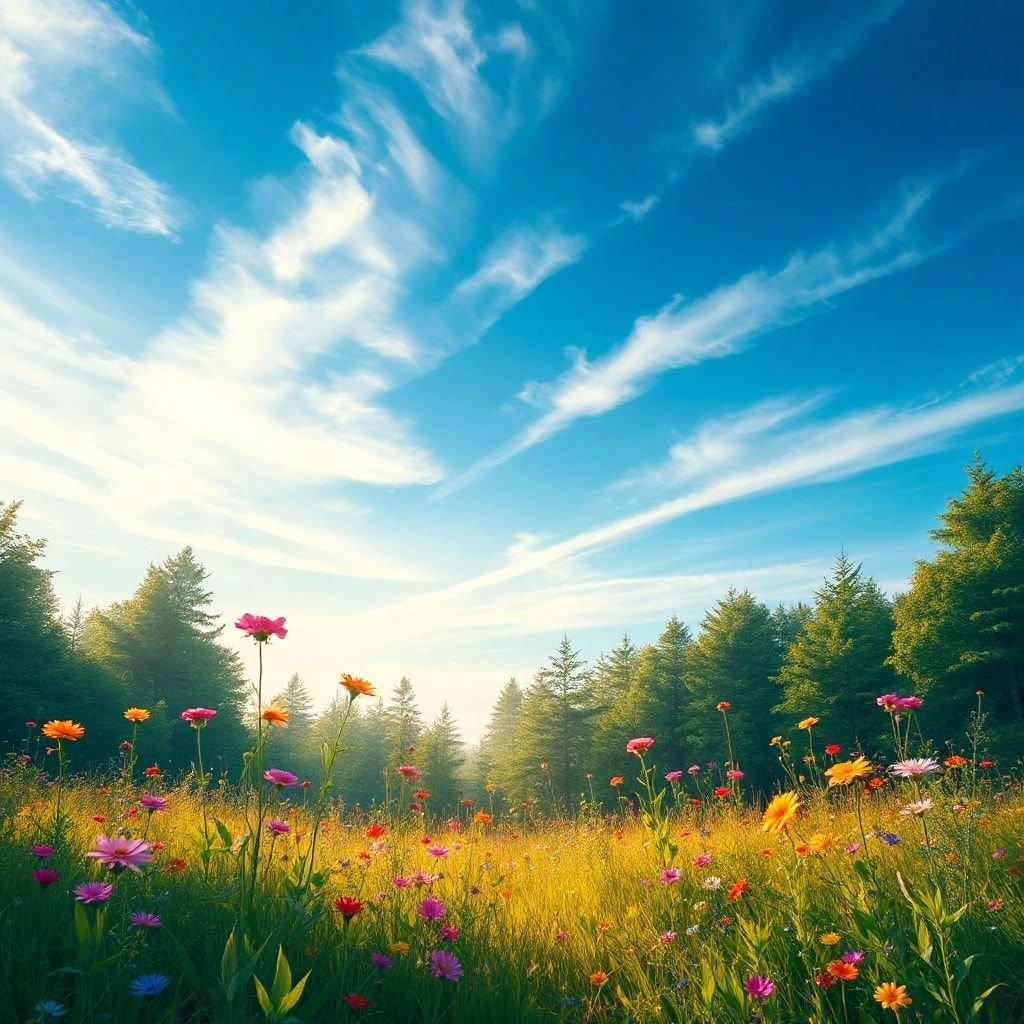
(917, 807)
(153, 803)
(449, 932)
(121, 852)
(408, 771)
(734, 773)
(914, 767)
(43, 850)
(261, 627)
(759, 987)
(432, 909)
(693, 769)
(277, 827)
(445, 965)
(561, 935)
(702, 860)
(670, 875)
(888, 701)
(673, 776)
(141, 919)
(667, 937)
(45, 876)
(94, 892)
(424, 878)
(908, 703)
(280, 778)
(401, 882)
(438, 851)
(197, 717)
(640, 745)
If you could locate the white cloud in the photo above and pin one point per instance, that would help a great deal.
(52, 59)
(717, 325)
(636, 211)
(791, 75)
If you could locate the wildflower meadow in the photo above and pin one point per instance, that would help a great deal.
(864, 889)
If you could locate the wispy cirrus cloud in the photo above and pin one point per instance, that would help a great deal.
(809, 60)
(54, 58)
(717, 325)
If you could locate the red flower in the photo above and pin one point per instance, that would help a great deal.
(823, 979)
(738, 889)
(723, 705)
(349, 906)
(356, 1002)
(375, 831)
(722, 791)
(151, 772)
(985, 765)
(832, 749)
(178, 864)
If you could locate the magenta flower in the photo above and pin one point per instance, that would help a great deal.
(734, 773)
(670, 875)
(280, 778)
(261, 627)
(437, 851)
(381, 960)
(640, 745)
(277, 827)
(432, 909)
(702, 860)
(401, 882)
(45, 876)
(667, 937)
(94, 892)
(759, 987)
(908, 703)
(888, 701)
(693, 769)
(141, 919)
(121, 852)
(197, 717)
(408, 771)
(153, 803)
(445, 965)
(673, 776)
(852, 956)
(449, 933)
(43, 850)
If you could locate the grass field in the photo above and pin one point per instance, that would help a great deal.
(663, 911)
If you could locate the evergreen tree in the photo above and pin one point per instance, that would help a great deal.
(293, 746)
(441, 759)
(960, 628)
(403, 724)
(837, 666)
(788, 623)
(735, 658)
(621, 681)
(497, 750)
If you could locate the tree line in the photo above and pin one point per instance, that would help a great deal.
(958, 629)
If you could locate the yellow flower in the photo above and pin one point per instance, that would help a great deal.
(892, 996)
(821, 842)
(780, 812)
(275, 714)
(843, 773)
(136, 714)
(807, 723)
(399, 948)
(829, 939)
(63, 730)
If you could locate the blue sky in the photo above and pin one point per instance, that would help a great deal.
(442, 328)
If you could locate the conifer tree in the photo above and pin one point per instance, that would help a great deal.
(441, 760)
(403, 724)
(497, 749)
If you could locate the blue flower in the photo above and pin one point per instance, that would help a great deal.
(50, 1008)
(889, 838)
(150, 984)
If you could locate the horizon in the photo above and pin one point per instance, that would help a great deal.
(426, 334)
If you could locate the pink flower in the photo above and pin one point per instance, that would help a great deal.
(197, 717)
(702, 860)
(143, 920)
(261, 627)
(640, 745)
(998, 854)
(94, 892)
(280, 778)
(667, 937)
(449, 932)
(759, 987)
(670, 875)
(432, 909)
(45, 876)
(734, 773)
(673, 776)
(888, 701)
(445, 965)
(561, 935)
(908, 703)
(438, 851)
(153, 803)
(693, 769)
(43, 850)
(408, 771)
(100, 819)
(277, 827)
(401, 882)
(121, 852)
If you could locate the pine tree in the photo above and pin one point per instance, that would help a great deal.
(736, 658)
(403, 724)
(293, 745)
(497, 750)
(441, 759)
(837, 666)
(788, 622)
(960, 628)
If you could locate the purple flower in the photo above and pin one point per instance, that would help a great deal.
(670, 875)
(42, 851)
(143, 920)
(445, 965)
(94, 892)
(280, 778)
(852, 956)
(432, 909)
(759, 986)
(153, 803)
(381, 960)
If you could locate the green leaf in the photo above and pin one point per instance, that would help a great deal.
(264, 999)
(223, 832)
(295, 995)
(188, 968)
(282, 978)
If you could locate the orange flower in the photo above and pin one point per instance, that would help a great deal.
(891, 996)
(842, 970)
(482, 818)
(877, 782)
(844, 772)
(829, 939)
(598, 977)
(955, 761)
(723, 705)
(780, 813)
(738, 889)
(136, 714)
(275, 714)
(356, 686)
(821, 842)
(616, 780)
(63, 730)
(807, 723)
